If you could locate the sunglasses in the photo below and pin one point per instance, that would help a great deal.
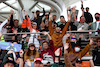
(73, 38)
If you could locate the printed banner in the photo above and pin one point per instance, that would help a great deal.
(10, 46)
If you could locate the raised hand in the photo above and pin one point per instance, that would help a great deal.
(10, 52)
(51, 9)
(21, 53)
(80, 36)
(15, 31)
(11, 11)
(67, 35)
(74, 9)
(91, 41)
(67, 8)
(50, 15)
(28, 62)
(24, 35)
(81, 1)
(44, 33)
(0, 34)
(66, 46)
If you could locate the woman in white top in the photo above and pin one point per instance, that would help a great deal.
(34, 37)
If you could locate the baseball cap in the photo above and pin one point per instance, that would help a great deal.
(10, 61)
(34, 24)
(38, 60)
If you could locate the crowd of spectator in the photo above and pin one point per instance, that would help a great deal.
(44, 48)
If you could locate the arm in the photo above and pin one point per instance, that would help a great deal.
(50, 10)
(21, 16)
(68, 41)
(43, 13)
(91, 63)
(50, 40)
(86, 49)
(66, 26)
(30, 26)
(46, 33)
(67, 12)
(66, 57)
(23, 37)
(21, 59)
(3, 24)
(82, 8)
(50, 25)
(32, 17)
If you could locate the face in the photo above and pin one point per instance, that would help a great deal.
(58, 29)
(27, 39)
(37, 13)
(97, 16)
(45, 46)
(62, 19)
(16, 23)
(42, 24)
(98, 42)
(73, 39)
(82, 19)
(46, 16)
(31, 47)
(78, 65)
(38, 64)
(87, 9)
(9, 65)
(54, 17)
(34, 27)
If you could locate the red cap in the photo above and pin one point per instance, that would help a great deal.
(38, 59)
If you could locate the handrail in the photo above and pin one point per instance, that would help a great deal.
(86, 31)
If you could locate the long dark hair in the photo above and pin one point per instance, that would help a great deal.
(29, 51)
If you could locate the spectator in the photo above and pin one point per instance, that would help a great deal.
(38, 18)
(38, 62)
(14, 23)
(77, 53)
(87, 14)
(54, 23)
(46, 21)
(96, 25)
(72, 26)
(78, 62)
(48, 48)
(82, 25)
(57, 37)
(62, 22)
(25, 42)
(42, 27)
(67, 61)
(25, 24)
(96, 53)
(74, 42)
(34, 37)
(9, 60)
(32, 53)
